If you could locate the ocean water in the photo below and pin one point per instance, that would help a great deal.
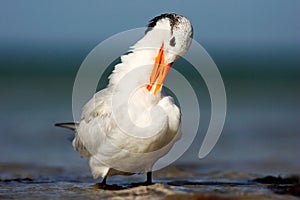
(262, 126)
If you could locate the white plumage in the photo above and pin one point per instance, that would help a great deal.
(126, 127)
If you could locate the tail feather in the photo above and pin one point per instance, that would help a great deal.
(69, 125)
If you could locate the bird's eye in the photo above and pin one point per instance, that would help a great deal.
(173, 42)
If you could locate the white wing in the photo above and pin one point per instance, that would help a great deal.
(95, 123)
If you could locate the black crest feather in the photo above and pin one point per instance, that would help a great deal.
(174, 19)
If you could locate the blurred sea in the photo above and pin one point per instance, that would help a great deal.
(263, 118)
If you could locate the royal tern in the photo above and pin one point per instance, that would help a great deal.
(126, 127)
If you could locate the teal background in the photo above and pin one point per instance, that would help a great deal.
(255, 45)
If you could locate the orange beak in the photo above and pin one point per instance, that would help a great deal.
(159, 72)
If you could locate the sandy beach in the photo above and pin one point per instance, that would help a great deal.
(182, 182)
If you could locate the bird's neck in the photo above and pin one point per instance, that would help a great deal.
(135, 68)
(130, 78)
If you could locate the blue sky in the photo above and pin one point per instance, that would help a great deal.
(259, 21)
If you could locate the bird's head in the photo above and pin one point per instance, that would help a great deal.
(170, 35)
(174, 32)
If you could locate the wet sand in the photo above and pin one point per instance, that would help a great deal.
(21, 181)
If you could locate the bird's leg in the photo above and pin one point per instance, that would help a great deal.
(104, 180)
(149, 178)
(147, 182)
(101, 185)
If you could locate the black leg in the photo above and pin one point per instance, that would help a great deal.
(104, 186)
(147, 182)
(101, 185)
(104, 180)
(149, 178)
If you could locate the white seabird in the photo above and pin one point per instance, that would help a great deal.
(126, 127)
